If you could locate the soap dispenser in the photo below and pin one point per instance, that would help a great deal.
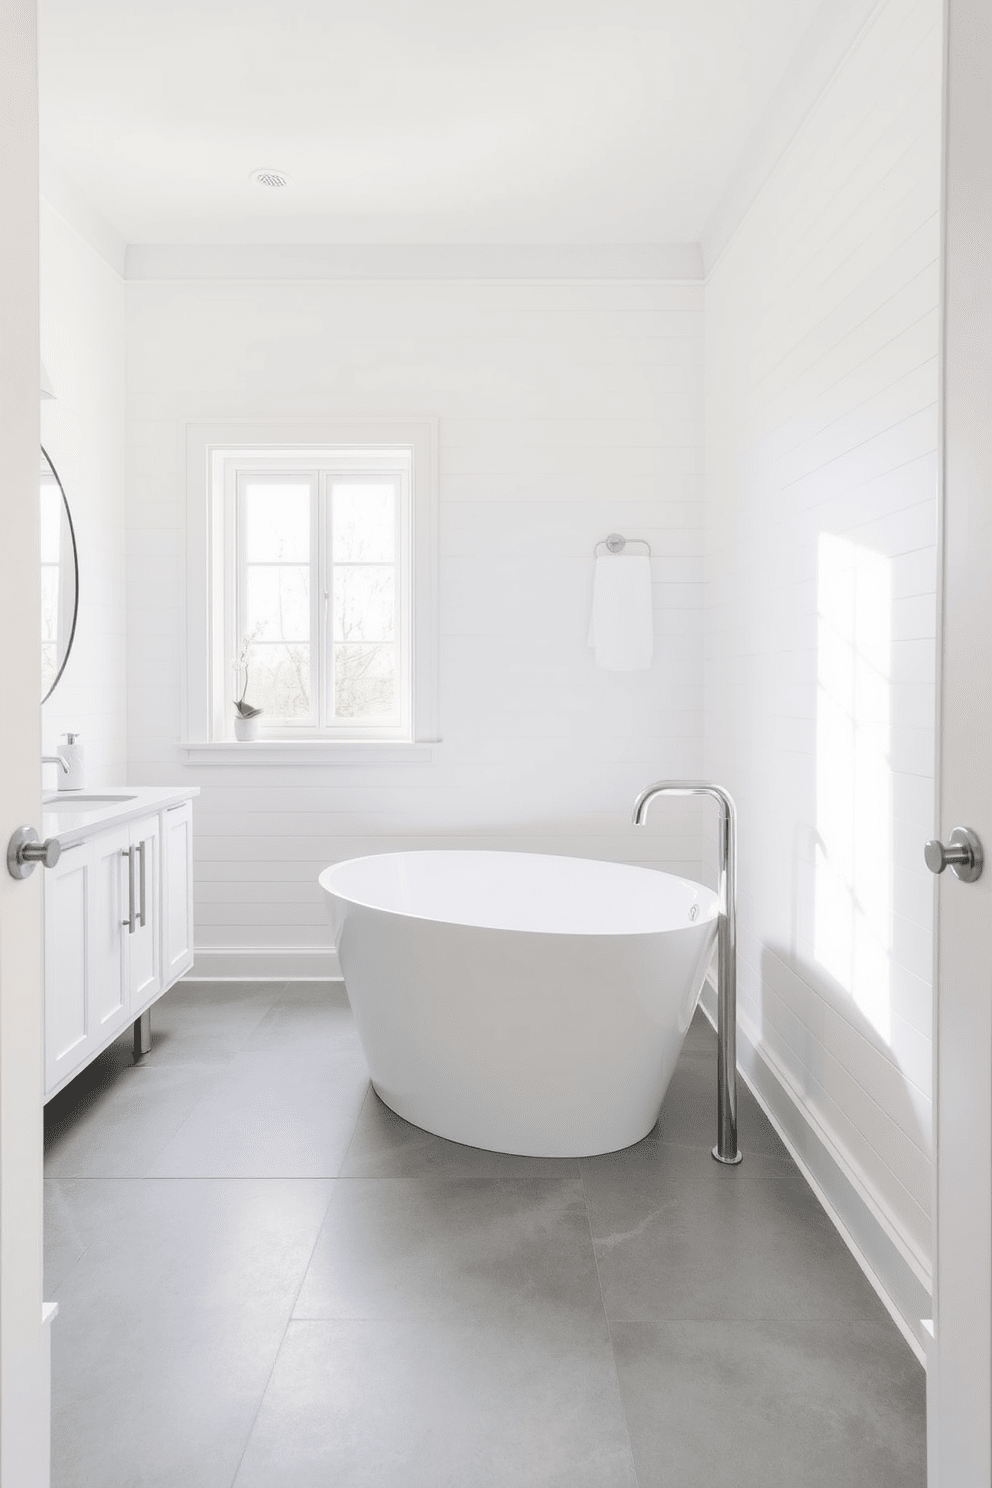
(72, 752)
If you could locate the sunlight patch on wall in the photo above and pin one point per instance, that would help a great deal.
(853, 908)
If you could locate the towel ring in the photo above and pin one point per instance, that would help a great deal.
(616, 543)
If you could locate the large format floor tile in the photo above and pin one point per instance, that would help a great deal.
(688, 1115)
(465, 1247)
(712, 1245)
(267, 1277)
(670, 1160)
(772, 1405)
(115, 1118)
(309, 1019)
(272, 1113)
(532, 1404)
(65, 1240)
(169, 1324)
(208, 1022)
(118, 1128)
(386, 1146)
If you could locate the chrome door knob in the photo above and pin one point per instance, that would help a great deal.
(963, 855)
(24, 851)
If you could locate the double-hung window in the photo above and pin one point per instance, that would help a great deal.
(320, 614)
(319, 576)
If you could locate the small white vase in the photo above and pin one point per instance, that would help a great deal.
(246, 729)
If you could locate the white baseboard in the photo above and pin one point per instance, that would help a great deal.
(265, 964)
(872, 1236)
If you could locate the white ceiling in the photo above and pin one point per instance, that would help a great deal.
(409, 121)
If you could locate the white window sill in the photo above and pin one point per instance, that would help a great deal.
(309, 752)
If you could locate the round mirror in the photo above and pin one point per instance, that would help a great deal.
(59, 578)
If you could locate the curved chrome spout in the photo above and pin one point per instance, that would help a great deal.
(726, 1149)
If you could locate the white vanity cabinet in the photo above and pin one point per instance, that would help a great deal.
(118, 919)
(85, 990)
(143, 915)
(177, 890)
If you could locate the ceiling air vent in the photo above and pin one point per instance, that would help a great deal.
(274, 178)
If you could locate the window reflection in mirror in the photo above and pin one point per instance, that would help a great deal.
(59, 578)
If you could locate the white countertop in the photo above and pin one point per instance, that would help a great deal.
(72, 816)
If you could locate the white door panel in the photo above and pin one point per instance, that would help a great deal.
(24, 1340)
(960, 1380)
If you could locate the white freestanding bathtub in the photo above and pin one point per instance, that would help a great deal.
(519, 1002)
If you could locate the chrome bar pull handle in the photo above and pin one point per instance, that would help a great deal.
(141, 878)
(132, 917)
(963, 855)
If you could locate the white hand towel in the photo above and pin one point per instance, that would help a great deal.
(622, 624)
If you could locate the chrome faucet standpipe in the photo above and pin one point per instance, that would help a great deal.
(55, 759)
(726, 1150)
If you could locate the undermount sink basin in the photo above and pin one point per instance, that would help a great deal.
(63, 801)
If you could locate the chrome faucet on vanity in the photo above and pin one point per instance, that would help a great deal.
(726, 1149)
(55, 759)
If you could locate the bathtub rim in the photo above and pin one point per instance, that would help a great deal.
(710, 906)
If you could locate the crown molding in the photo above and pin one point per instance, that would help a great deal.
(528, 261)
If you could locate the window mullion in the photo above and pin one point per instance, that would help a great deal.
(319, 611)
(224, 603)
(404, 610)
(241, 583)
(332, 689)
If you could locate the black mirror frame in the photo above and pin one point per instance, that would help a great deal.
(75, 565)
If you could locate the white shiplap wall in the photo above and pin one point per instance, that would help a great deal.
(82, 346)
(566, 410)
(821, 418)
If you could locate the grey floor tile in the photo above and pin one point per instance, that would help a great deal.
(701, 1037)
(447, 1302)
(118, 1127)
(271, 1114)
(772, 1405)
(208, 1022)
(688, 1113)
(228, 994)
(674, 1247)
(470, 1247)
(446, 1405)
(169, 1324)
(312, 1027)
(88, 1087)
(329, 994)
(64, 1241)
(672, 1159)
(183, 1242)
(385, 1146)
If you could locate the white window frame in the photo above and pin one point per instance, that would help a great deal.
(215, 452)
(321, 470)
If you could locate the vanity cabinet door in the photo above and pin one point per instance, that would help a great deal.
(108, 1002)
(177, 891)
(68, 1035)
(142, 944)
(85, 996)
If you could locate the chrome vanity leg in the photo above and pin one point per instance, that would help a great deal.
(143, 1034)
